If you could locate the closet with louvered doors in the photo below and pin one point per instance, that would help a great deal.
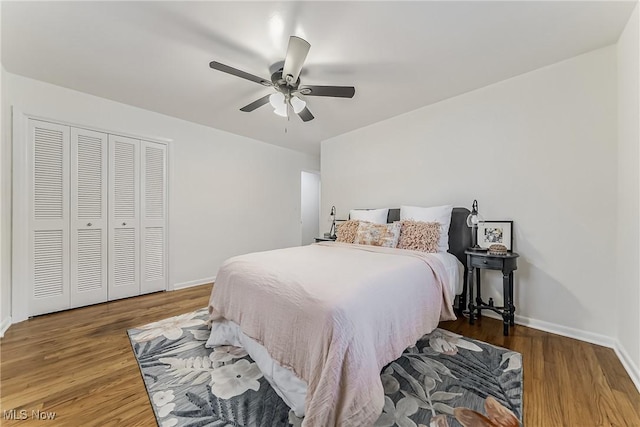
(97, 219)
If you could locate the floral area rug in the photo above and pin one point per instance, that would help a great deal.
(445, 380)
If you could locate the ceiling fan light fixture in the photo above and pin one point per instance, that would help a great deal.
(297, 104)
(281, 111)
(276, 100)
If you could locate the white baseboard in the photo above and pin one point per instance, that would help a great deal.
(627, 363)
(590, 337)
(566, 331)
(192, 283)
(4, 325)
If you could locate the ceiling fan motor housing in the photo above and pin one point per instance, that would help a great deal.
(282, 83)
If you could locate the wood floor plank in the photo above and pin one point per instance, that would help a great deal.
(79, 364)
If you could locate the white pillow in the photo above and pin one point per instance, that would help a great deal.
(441, 214)
(377, 216)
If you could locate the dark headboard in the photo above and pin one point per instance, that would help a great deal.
(459, 233)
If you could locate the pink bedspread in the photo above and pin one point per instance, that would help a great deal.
(335, 314)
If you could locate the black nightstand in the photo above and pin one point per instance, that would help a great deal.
(324, 239)
(507, 263)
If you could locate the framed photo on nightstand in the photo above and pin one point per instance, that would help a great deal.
(495, 232)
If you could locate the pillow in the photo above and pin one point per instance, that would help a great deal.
(377, 216)
(347, 231)
(419, 236)
(385, 235)
(441, 214)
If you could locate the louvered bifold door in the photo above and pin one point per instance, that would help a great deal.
(88, 217)
(124, 217)
(48, 181)
(153, 224)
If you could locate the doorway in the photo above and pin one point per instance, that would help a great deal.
(310, 206)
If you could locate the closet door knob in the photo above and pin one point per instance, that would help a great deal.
(124, 223)
(89, 225)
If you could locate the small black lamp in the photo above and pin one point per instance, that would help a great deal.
(332, 231)
(473, 220)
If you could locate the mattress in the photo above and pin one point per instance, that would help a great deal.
(286, 384)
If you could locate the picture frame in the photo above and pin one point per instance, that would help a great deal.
(495, 232)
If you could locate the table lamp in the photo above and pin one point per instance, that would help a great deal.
(332, 231)
(473, 220)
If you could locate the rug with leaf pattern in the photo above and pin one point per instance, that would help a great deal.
(445, 380)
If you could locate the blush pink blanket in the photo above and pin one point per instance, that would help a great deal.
(335, 314)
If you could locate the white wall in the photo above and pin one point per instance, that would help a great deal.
(5, 209)
(228, 194)
(539, 149)
(5, 219)
(628, 309)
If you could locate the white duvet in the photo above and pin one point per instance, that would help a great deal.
(334, 315)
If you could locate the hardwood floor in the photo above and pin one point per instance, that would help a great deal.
(566, 382)
(79, 364)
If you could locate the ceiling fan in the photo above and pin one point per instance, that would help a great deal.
(286, 82)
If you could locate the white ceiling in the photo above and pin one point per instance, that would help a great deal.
(399, 55)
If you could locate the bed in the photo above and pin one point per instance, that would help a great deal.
(321, 321)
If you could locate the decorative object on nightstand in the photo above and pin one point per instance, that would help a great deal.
(507, 263)
(325, 239)
(473, 220)
(497, 249)
(495, 232)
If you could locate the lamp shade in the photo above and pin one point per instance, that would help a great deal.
(474, 218)
(277, 101)
(297, 104)
(281, 111)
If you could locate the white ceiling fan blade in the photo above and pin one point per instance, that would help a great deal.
(296, 54)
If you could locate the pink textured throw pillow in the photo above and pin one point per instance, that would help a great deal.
(419, 236)
(385, 235)
(347, 231)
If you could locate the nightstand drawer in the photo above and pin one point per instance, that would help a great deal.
(484, 262)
